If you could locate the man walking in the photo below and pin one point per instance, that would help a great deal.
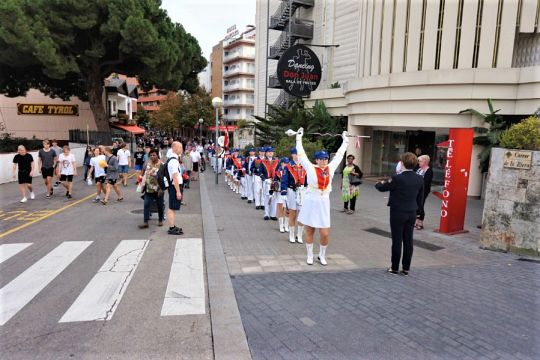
(57, 150)
(112, 176)
(124, 162)
(25, 163)
(195, 158)
(46, 164)
(175, 180)
(67, 170)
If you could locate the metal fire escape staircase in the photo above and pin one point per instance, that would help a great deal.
(292, 29)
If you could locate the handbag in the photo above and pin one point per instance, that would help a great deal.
(354, 180)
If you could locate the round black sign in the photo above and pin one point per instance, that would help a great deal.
(299, 71)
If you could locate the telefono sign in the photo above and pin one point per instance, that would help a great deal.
(299, 71)
(48, 109)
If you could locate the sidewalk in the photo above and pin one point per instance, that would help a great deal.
(459, 302)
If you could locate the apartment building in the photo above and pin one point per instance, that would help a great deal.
(402, 70)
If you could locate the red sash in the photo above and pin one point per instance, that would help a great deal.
(298, 173)
(270, 166)
(237, 163)
(323, 177)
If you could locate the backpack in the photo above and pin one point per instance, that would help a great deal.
(163, 174)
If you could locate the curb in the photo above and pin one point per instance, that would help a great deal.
(228, 333)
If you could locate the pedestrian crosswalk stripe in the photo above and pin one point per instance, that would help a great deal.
(20, 291)
(185, 293)
(100, 298)
(8, 250)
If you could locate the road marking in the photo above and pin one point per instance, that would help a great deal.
(100, 298)
(9, 250)
(19, 292)
(185, 293)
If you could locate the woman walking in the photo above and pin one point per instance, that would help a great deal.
(350, 192)
(97, 167)
(86, 162)
(112, 176)
(315, 212)
(153, 192)
(427, 173)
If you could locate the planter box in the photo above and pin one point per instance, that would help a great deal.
(511, 217)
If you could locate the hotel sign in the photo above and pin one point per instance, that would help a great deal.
(299, 71)
(47, 109)
(518, 159)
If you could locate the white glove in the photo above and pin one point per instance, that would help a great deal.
(299, 134)
(345, 137)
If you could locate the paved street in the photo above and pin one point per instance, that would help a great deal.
(79, 280)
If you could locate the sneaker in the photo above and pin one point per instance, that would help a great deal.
(56, 184)
(96, 200)
(32, 195)
(322, 260)
(404, 273)
(120, 199)
(69, 196)
(143, 226)
(104, 202)
(160, 223)
(265, 218)
(67, 193)
(274, 218)
(48, 196)
(175, 231)
(24, 199)
(391, 272)
(309, 260)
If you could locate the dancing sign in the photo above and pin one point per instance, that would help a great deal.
(299, 71)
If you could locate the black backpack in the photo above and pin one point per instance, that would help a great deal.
(162, 174)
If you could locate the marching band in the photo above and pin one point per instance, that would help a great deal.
(293, 191)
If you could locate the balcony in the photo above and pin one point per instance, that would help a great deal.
(238, 71)
(239, 102)
(273, 82)
(285, 11)
(238, 86)
(283, 100)
(234, 116)
(237, 55)
(300, 29)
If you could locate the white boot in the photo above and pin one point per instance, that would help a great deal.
(286, 224)
(309, 248)
(291, 235)
(322, 255)
(300, 234)
(281, 227)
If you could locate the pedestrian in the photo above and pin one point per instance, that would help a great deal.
(124, 162)
(268, 170)
(115, 148)
(315, 211)
(281, 196)
(195, 159)
(174, 181)
(350, 192)
(97, 167)
(86, 162)
(188, 166)
(426, 172)
(405, 200)
(255, 169)
(200, 150)
(139, 161)
(249, 175)
(57, 150)
(111, 166)
(152, 192)
(23, 170)
(67, 170)
(46, 164)
(295, 181)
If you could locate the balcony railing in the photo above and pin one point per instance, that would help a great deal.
(273, 82)
(239, 86)
(238, 71)
(300, 29)
(283, 100)
(285, 11)
(234, 116)
(239, 102)
(237, 55)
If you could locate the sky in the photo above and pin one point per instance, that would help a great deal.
(208, 20)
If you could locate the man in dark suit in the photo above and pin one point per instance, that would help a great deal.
(406, 195)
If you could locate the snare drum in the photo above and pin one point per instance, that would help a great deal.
(267, 186)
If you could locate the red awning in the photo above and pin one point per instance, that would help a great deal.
(134, 129)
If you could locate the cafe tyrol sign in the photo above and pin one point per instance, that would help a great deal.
(47, 109)
(299, 71)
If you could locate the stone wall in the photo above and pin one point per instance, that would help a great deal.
(511, 218)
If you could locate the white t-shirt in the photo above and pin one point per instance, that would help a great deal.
(123, 157)
(174, 169)
(195, 156)
(199, 148)
(66, 163)
(169, 153)
(98, 170)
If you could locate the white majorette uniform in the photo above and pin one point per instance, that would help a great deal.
(315, 210)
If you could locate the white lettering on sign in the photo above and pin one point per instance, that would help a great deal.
(447, 179)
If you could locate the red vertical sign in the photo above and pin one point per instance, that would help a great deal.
(456, 180)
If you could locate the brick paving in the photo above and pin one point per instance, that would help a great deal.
(460, 302)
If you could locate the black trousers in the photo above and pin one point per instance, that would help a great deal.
(401, 225)
(353, 203)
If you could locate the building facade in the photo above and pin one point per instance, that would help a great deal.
(216, 70)
(239, 77)
(405, 69)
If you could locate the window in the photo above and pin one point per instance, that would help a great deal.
(498, 34)
(393, 35)
(381, 37)
(458, 34)
(406, 35)
(478, 32)
(422, 35)
(439, 34)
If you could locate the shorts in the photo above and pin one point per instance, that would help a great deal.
(138, 167)
(112, 181)
(100, 179)
(24, 178)
(195, 166)
(68, 178)
(123, 169)
(47, 172)
(174, 203)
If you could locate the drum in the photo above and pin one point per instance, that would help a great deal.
(300, 193)
(267, 186)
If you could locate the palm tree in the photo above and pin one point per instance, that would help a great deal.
(490, 136)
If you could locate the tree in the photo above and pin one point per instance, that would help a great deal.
(166, 118)
(143, 118)
(67, 48)
(523, 135)
(491, 136)
(195, 106)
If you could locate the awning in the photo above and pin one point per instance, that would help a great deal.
(134, 129)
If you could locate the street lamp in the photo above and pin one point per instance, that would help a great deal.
(200, 130)
(216, 103)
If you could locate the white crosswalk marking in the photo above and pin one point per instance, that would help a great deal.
(19, 292)
(100, 298)
(185, 293)
(8, 250)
